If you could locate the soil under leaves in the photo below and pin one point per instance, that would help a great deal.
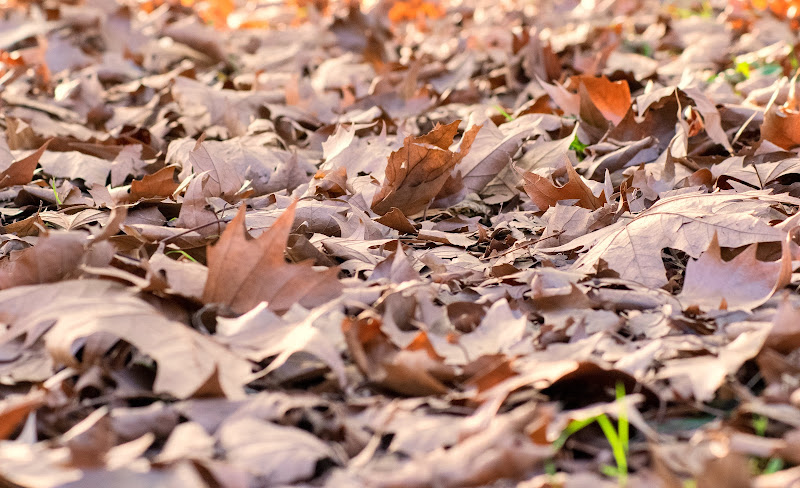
(399, 244)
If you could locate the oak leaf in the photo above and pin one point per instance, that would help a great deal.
(748, 282)
(243, 272)
(417, 172)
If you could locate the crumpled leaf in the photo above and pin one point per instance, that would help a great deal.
(417, 172)
(545, 194)
(242, 272)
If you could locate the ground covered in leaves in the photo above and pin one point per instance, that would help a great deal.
(399, 244)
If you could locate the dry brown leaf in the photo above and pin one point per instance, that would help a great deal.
(21, 172)
(545, 194)
(56, 256)
(277, 454)
(632, 247)
(781, 124)
(416, 370)
(242, 272)
(417, 172)
(747, 282)
(159, 185)
(187, 360)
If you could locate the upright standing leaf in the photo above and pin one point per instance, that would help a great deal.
(243, 272)
(417, 172)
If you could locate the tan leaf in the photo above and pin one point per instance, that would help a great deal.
(242, 272)
(55, 256)
(187, 360)
(748, 282)
(632, 247)
(545, 194)
(417, 172)
(278, 454)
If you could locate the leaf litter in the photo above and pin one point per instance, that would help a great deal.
(417, 243)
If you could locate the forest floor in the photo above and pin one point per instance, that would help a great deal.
(402, 243)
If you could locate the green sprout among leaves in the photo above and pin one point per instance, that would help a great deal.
(579, 148)
(617, 438)
(502, 112)
(55, 192)
(773, 464)
(182, 253)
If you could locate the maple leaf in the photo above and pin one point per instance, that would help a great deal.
(417, 172)
(545, 194)
(242, 272)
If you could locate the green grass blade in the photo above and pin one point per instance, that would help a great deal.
(616, 447)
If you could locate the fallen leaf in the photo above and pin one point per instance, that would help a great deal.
(545, 194)
(417, 172)
(611, 98)
(74, 310)
(781, 124)
(21, 172)
(242, 272)
(748, 282)
(277, 454)
(632, 247)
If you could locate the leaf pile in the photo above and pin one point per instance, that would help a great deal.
(408, 243)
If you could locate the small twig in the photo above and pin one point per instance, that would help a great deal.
(167, 239)
(529, 243)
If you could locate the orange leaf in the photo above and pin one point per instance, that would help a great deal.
(781, 125)
(612, 99)
(413, 9)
